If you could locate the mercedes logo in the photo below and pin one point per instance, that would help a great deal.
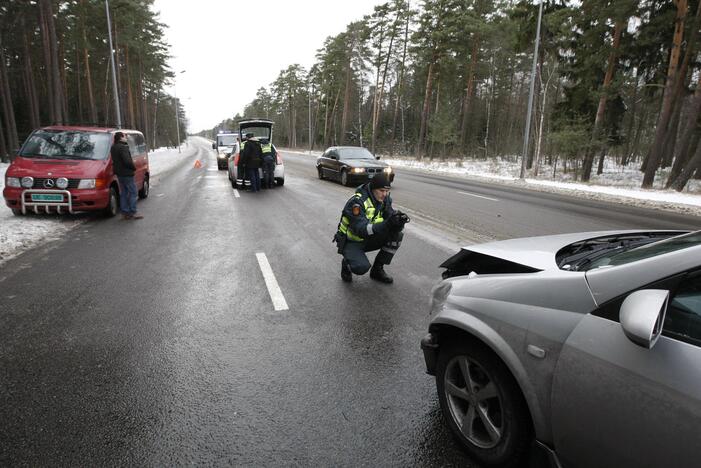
(48, 183)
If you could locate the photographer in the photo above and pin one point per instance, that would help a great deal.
(368, 222)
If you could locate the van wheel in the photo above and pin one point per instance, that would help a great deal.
(16, 211)
(112, 207)
(145, 189)
(280, 182)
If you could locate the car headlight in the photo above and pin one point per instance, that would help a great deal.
(27, 182)
(358, 170)
(86, 184)
(12, 182)
(62, 183)
(387, 170)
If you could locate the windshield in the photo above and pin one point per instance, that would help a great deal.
(646, 251)
(226, 140)
(66, 144)
(355, 153)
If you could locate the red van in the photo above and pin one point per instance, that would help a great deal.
(67, 169)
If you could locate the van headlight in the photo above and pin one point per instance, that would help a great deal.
(62, 183)
(27, 182)
(12, 182)
(86, 184)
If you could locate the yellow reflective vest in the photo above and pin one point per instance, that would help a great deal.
(373, 216)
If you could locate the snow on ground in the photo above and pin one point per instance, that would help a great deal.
(615, 184)
(18, 233)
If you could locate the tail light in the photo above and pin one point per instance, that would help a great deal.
(279, 159)
(236, 159)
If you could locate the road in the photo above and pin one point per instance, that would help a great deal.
(157, 342)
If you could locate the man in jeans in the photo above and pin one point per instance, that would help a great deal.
(124, 169)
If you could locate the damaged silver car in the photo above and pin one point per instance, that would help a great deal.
(575, 350)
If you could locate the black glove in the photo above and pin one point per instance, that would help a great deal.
(399, 219)
(379, 229)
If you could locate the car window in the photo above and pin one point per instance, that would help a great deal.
(140, 143)
(683, 320)
(133, 147)
(355, 153)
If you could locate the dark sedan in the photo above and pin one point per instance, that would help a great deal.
(350, 165)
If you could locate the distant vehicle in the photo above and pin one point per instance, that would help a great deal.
(263, 130)
(66, 169)
(350, 165)
(587, 343)
(225, 144)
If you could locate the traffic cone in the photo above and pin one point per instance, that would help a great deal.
(198, 164)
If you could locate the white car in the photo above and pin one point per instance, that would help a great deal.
(263, 130)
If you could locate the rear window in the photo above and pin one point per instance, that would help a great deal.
(66, 144)
(258, 132)
(226, 140)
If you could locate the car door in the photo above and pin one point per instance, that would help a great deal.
(137, 157)
(617, 404)
(332, 164)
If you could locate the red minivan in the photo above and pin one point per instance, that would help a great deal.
(68, 169)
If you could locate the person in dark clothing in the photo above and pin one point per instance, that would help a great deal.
(252, 159)
(269, 156)
(368, 222)
(242, 180)
(124, 168)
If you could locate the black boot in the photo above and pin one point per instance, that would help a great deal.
(378, 274)
(346, 274)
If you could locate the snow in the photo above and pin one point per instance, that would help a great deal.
(615, 184)
(19, 233)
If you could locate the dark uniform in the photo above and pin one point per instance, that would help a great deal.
(366, 225)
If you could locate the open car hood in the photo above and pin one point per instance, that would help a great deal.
(523, 255)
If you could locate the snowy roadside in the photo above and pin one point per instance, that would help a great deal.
(615, 185)
(19, 233)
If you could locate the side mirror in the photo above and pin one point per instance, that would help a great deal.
(642, 316)
(214, 146)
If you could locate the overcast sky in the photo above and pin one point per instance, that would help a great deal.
(209, 39)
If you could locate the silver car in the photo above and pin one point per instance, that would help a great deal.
(575, 350)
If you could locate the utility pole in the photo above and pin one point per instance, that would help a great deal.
(114, 64)
(177, 114)
(310, 119)
(524, 154)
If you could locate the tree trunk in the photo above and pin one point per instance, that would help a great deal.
(53, 66)
(380, 95)
(469, 89)
(688, 171)
(400, 84)
(88, 76)
(378, 65)
(425, 109)
(7, 105)
(346, 102)
(30, 85)
(3, 145)
(598, 121)
(653, 159)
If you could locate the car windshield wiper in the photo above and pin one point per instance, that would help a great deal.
(34, 155)
(622, 246)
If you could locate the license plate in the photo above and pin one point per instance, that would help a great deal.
(47, 197)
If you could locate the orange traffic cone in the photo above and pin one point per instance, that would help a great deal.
(198, 164)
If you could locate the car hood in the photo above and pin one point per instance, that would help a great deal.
(69, 168)
(536, 253)
(364, 163)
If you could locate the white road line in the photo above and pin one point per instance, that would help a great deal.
(478, 196)
(236, 193)
(273, 289)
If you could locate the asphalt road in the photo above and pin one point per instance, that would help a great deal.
(157, 342)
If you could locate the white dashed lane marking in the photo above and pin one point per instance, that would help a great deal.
(478, 196)
(236, 193)
(278, 299)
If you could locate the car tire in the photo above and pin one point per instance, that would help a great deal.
(320, 171)
(233, 182)
(344, 177)
(145, 189)
(112, 207)
(500, 429)
(280, 182)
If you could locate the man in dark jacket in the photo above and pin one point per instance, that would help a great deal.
(368, 222)
(124, 169)
(252, 159)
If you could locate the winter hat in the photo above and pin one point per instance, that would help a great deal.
(380, 181)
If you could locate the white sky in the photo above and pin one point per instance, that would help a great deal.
(207, 38)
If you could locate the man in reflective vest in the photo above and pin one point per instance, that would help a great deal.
(269, 154)
(368, 222)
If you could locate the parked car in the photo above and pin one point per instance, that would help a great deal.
(225, 144)
(350, 165)
(69, 169)
(263, 130)
(588, 344)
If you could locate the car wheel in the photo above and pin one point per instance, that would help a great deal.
(112, 207)
(482, 405)
(145, 189)
(280, 182)
(233, 182)
(321, 172)
(344, 177)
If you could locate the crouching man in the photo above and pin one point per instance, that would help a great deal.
(368, 222)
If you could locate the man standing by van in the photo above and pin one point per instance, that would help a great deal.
(124, 169)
